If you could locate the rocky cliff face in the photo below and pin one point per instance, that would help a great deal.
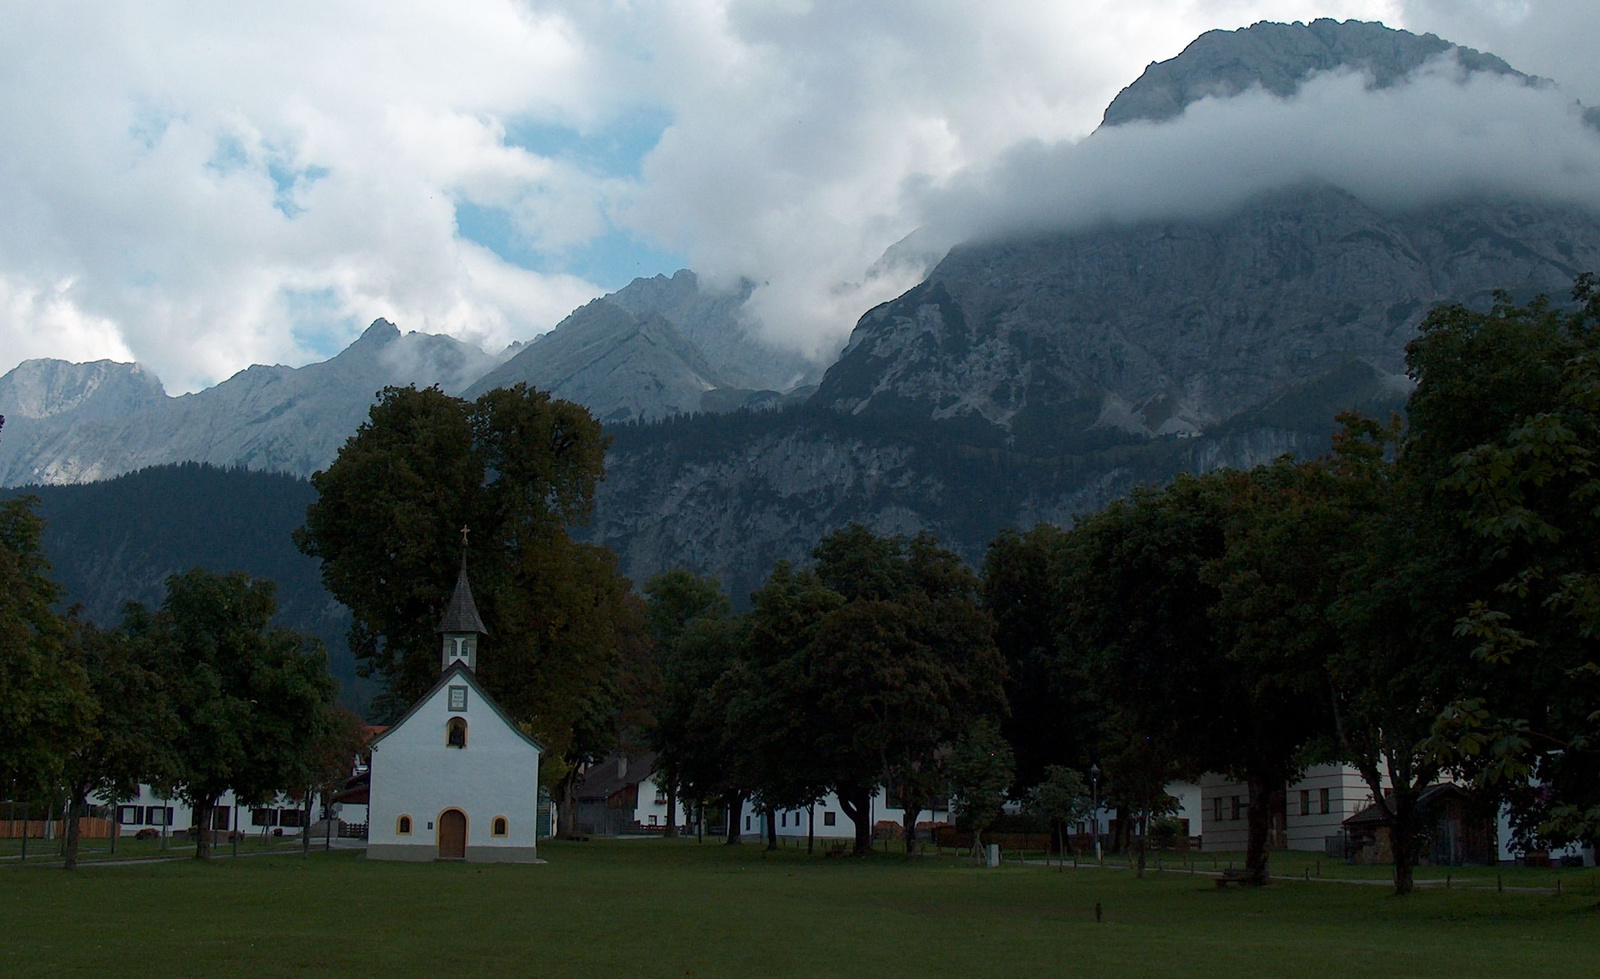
(1177, 328)
(1279, 58)
(656, 348)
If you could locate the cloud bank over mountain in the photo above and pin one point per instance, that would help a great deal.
(1437, 135)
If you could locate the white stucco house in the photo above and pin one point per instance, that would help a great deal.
(455, 778)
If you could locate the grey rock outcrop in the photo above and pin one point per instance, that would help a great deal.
(1175, 328)
(655, 348)
(1279, 58)
(279, 419)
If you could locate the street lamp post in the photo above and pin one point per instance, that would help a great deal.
(1094, 794)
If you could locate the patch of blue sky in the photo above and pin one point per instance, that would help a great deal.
(611, 260)
(228, 156)
(287, 181)
(316, 323)
(615, 149)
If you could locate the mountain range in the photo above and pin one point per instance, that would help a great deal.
(658, 347)
(1029, 377)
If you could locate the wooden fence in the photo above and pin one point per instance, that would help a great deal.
(88, 828)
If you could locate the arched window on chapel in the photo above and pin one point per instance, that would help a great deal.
(455, 735)
(499, 827)
(402, 826)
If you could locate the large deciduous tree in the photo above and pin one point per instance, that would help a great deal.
(252, 698)
(882, 654)
(1178, 613)
(131, 729)
(675, 601)
(516, 468)
(1504, 446)
(44, 701)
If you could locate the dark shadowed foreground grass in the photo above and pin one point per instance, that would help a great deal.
(658, 908)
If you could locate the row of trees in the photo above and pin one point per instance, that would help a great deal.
(196, 697)
(862, 670)
(1421, 603)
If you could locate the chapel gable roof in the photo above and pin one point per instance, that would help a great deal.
(458, 672)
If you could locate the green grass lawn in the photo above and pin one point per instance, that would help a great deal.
(677, 908)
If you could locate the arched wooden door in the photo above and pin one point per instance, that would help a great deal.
(452, 835)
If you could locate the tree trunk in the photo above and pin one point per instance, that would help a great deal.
(735, 813)
(908, 822)
(672, 810)
(1263, 793)
(811, 827)
(202, 840)
(1143, 847)
(74, 809)
(857, 805)
(567, 819)
(772, 828)
(1403, 838)
(305, 829)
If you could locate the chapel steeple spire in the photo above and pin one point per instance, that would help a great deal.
(461, 625)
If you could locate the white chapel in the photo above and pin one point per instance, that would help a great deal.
(454, 778)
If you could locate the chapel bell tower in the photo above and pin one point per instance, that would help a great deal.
(461, 626)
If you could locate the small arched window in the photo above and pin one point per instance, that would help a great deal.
(402, 826)
(499, 828)
(455, 733)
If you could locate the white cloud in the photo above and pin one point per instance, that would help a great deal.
(1552, 38)
(1434, 137)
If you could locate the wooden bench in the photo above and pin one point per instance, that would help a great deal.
(1241, 877)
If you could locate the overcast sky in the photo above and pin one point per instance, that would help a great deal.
(202, 186)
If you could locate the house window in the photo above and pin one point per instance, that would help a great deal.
(783, 818)
(158, 816)
(1305, 802)
(402, 826)
(499, 826)
(827, 819)
(747, 824)
(1216, 809)
(456, 733)
(458, 698)
(130, 815)
(263, 817)
(291, 817)
(1322, 800)
(652, 819)
(1234, 810)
